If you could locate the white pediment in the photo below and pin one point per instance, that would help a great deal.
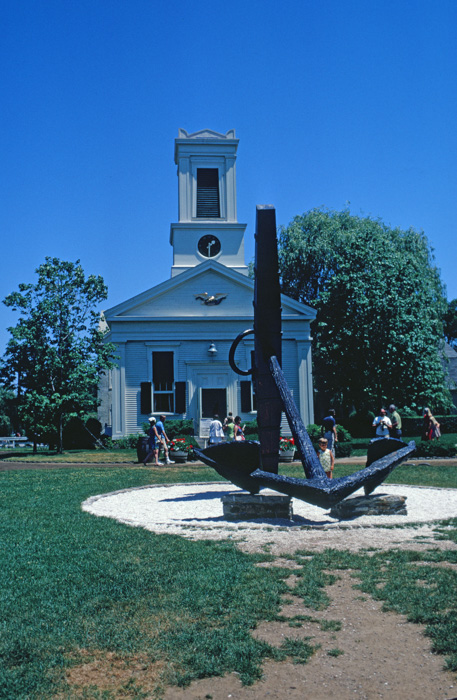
(206, 134)
(210, 290)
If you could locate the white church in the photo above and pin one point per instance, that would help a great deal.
(173, 340)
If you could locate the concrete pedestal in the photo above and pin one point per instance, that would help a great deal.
(241, 506)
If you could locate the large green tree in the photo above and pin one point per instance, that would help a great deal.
(380, 304)
(56, 351)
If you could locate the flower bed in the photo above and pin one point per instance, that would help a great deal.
(181, 449)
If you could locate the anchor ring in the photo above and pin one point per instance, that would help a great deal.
(231, 357)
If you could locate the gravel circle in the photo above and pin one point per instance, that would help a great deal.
(195, 511)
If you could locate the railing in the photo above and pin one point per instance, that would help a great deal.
(8, 442)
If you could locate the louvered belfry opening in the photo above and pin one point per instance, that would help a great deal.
(208, 205)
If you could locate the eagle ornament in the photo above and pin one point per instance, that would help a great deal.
(210, 299)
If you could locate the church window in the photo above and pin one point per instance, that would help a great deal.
(163, 380)
(208, 203)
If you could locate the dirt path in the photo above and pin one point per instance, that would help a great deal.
(380, 656)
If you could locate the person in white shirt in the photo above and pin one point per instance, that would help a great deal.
(216, 433)
(382, 424)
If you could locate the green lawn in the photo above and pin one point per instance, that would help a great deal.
(76, 588)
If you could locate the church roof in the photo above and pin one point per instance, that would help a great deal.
(209, 290)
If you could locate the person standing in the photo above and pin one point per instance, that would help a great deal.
(329, 430)
(238, 430)
(163, 438)
(382, 424)
(229, 428)
(430, 426)
(395, 419)
(216, 433)
(326, 457)
(153, 444)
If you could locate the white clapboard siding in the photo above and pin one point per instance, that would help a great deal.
(136, 371)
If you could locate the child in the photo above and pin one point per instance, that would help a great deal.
(326, 457)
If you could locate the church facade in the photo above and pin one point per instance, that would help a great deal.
(173, 340)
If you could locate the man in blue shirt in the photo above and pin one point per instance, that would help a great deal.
(329, 430)
(163, 438)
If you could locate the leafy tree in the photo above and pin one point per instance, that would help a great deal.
(8, 416)
(450, 323)
(380, 304)
(56, 351)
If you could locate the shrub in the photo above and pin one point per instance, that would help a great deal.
(436, 448)
(81, 434)
(251, 428)
(343, 449)
(178, 428)
(126, 443)
(412, 425)
(314, 432)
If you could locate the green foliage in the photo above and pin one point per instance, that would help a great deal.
(444, 447)
(82, 434)
(379, 302)
(450, 323)
(343, 449)
(8, 413)
(298, 649)
(413, 425)
(178, 428)
(56, 351)
(314, 432)
(335, 652)
(124, 443)
(251, 428)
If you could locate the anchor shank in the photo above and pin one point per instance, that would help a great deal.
(267, 333)
(311, 465)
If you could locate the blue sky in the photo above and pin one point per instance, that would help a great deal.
(335, 104)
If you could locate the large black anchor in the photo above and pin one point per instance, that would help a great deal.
(253, 465)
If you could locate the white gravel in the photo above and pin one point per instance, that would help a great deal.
(195, 511)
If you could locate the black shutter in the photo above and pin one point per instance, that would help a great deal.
(145, 400)
(246, 405)
(180, 397)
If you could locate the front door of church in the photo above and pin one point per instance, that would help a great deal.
(214, 401)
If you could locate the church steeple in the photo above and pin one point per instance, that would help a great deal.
(207, 225)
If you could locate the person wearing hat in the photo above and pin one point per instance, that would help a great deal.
(153, 444)
(382, 424)
(395, 419)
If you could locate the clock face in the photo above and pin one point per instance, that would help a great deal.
(209, 246)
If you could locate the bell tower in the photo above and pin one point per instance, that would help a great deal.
(207, 228)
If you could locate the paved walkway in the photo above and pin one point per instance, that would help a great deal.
(10, 466)
(6, 465)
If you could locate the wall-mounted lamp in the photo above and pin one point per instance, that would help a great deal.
(212, 350)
